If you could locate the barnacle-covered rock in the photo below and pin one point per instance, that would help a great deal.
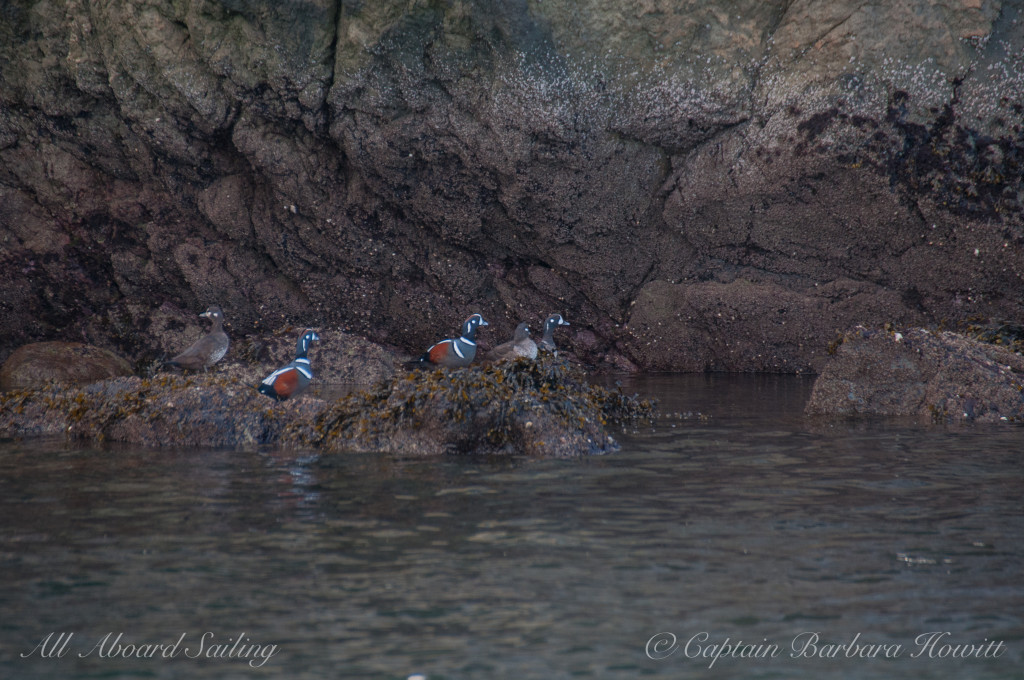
(942, 375)
(544, 407)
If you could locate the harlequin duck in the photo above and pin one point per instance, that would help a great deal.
(547, 343)
(521, 345)
(290, 380)
(207, 350)
(453, 353)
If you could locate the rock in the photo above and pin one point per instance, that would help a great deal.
(339, 359)
(380, 166)
(542, 408)
(943, 375)
(42, 362)
(539, 408)
(763, 326)
(166, 411)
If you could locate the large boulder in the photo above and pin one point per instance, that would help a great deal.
(338, 359)
(38, 363)
(938, 375)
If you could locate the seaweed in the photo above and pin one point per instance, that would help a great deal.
(525, 405)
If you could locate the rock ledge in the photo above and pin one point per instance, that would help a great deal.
(917, 372)
(542, 408)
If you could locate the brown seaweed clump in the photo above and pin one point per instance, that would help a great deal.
(542, 407)
(1005, 334)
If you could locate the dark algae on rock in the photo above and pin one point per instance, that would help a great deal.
(1003, 333)
(544, 407)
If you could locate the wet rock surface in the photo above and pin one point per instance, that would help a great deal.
(543, 408)
(937, 375)
(38, 363)
(701, 185)
(540, 408)
(164, 411)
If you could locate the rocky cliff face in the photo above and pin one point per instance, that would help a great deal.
(693, 184)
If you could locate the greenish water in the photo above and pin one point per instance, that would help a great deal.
(753, 525)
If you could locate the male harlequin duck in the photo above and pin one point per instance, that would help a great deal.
(453, 353)
(207, 350)
(547, 343)
(521, 345)
(290, 380)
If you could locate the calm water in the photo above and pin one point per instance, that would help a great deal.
(754, 525)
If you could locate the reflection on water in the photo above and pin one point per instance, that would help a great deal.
(752, 524)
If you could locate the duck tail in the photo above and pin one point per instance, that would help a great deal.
(268, 390)
(420, 363)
